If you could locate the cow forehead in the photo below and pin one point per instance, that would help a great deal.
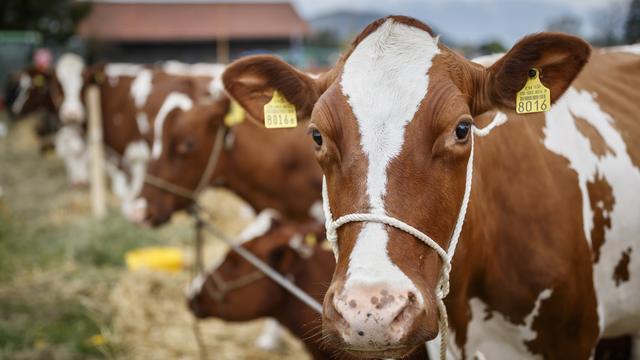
(384, 80)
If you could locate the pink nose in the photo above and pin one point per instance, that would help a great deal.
(372, 318)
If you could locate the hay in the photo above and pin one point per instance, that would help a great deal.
(151, 317)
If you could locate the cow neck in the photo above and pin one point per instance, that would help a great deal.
(442, 288)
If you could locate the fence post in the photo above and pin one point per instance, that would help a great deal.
(96, 153)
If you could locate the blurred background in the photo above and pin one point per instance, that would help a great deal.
(65, 292)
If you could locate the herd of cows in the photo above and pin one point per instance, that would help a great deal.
(451, 219)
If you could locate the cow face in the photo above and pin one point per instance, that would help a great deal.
(241, 292)
(183, 142)
(393, 127)
(67, 94)
(33, 92)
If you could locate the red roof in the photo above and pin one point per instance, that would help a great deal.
(117, 21)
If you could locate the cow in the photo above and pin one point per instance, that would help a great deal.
(234, 290)
(32, 93)
(131, 97)
(266, 168)
(544, 265)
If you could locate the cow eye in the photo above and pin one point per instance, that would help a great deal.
(316, 136)
(185, 147)
(462, 129)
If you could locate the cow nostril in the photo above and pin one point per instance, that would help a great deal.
(407, 312)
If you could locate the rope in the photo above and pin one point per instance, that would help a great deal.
(266, 269)
(446, 256)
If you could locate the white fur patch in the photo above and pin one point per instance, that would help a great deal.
(619, 306)
(384, 79)
(141, 87)
(69, 73)
(143, 123)
(116, 70)
(259, 227)
(497, 337)
(173, 101)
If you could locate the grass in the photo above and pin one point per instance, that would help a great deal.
(57, 263)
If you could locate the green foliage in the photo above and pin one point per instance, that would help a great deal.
(55, 19)
(491, 47)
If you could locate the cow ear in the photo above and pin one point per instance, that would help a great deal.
(559, 58)
(251, 81)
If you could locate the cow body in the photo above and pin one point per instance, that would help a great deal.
(543, 216)
(577, 183)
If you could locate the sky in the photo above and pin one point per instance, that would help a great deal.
(478, 20)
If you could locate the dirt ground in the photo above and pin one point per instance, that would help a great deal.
(65, 292)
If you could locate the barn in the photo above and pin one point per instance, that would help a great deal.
(146, 32)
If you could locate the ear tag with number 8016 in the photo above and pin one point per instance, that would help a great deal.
(279, 113)
(534, 96)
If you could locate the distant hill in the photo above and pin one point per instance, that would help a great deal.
(344, 23)
(458, 21)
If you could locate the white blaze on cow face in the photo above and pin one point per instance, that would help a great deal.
(140, 90)
(619, 304)
(175, 100)
(69, 73)
(23, 90)
(384, 79)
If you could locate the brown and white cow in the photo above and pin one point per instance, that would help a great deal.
(132, 97)
(266, 168)
(234, 290)
(545, 262)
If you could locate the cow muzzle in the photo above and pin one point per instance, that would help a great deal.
(377, 321)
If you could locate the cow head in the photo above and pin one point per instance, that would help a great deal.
(32, 91)
(235, 290)
(67, 93)
(184, 137)
(393, 129)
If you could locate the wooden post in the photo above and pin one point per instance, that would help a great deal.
(222, 50)
(96, 153)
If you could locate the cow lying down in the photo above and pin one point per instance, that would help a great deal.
(234, 290)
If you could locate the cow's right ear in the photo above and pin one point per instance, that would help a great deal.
(251, 81)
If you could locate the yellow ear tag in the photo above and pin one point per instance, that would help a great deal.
(534, 96)
(310, 240)
(38, 81)
(235, 115)
(279, 113)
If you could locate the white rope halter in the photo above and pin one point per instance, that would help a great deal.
(442, 289)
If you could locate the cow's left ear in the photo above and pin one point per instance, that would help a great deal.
(251, 81)
(558, 57)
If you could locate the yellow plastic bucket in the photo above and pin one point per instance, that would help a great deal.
(163, 258)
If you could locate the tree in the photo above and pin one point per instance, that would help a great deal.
(569, 24)
(491, 47)
(56, 20)
(608, 23)
(632, 26)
